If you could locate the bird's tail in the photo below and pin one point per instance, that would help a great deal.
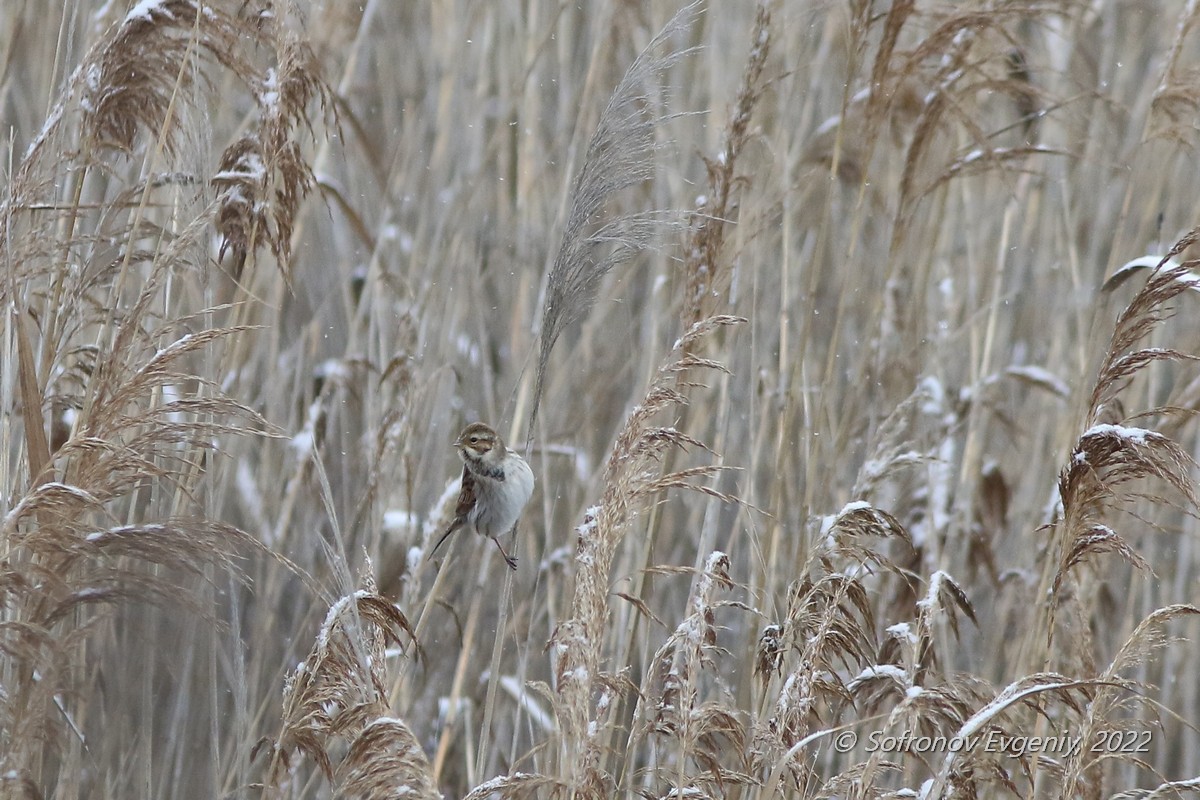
(445, 536)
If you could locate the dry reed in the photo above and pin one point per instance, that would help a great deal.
(855, 362)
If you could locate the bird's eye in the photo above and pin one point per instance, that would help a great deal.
(474, 440)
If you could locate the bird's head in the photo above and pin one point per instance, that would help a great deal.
(478, 441)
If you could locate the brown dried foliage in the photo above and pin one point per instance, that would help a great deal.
(385, 760)
(630, 482)
(340, 690)
(1106, 457)
(106, 511)
(708, 273)
(903, 246)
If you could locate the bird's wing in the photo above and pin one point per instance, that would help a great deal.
(466, 497)
(466, 501)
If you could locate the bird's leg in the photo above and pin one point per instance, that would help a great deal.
(512, 562)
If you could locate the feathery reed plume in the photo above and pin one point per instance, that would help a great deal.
(140, 69)
(115, 509)
(144, 78)
(58, 578)
(828, 621)
(263, 177)
(670, 705)
(1108, 456)
(923, 700)
(515, 785)
(708, 275)
(138, 425)
(956, 42)
(629, 482)
(1175, 93)
(958, 776)
(384, 761)
(339, 690)
(618, 157)
(945, 599)
(1115, 703)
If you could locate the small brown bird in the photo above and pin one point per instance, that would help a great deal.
(496, 485)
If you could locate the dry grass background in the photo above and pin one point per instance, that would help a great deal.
(842, 431)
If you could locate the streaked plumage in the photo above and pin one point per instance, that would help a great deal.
(496, 485)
